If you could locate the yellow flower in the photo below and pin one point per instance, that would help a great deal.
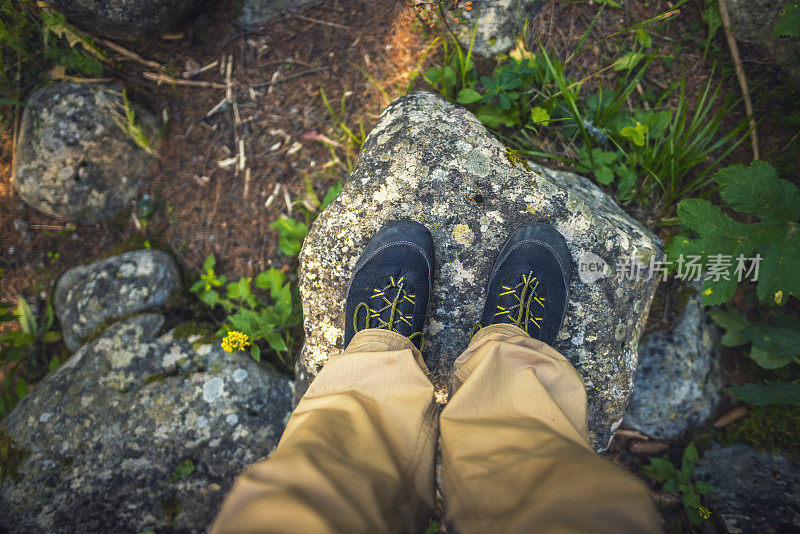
(704, 512)
(234, 341)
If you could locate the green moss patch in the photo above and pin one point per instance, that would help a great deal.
(11, 457)
(769, 429)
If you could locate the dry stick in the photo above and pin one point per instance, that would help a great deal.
(161, 78)
(323, 22)
(737, 63)
(287, 78)
(130, 54)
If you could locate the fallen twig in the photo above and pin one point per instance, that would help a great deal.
(130, 54)
(737, 64)
(323, 22)
(201, 70)
(287, 78)
(162, 78)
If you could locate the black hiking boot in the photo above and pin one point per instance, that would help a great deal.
(529, 280)
(392, 282)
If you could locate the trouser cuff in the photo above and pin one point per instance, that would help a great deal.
(378, 339)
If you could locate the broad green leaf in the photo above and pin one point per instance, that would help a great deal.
(758, 190)
(255, 352)
(643, 38)
(689, 459)
(635, 133)
(330, 195)
(272, 279)
(290, 235)
(733, 323)
(603, 174)
(51, 336)
(494, 116)
(779, 393)
(767, 359)
(432, 75)
(789, 23)
(628, 61)
(540, 116)
(276, 341)
(712, 18)
(703, 488)
(55, 361)
(780, 343)
(449, 75)
(660, 469)
(468, 96)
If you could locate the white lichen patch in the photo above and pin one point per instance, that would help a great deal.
(239, 375)
(456, 272)
(213, 389)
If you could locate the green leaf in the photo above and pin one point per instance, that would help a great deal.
(255, 352)
(779, 393)
(660, 469)
(758, 190)
(449, 75)
(505, 102)
(183, 470)
(494, 116)
(766, 359)
(712, 19)
(276, 341)
(540, 116)
(603, 174)
(210, 262)
(468, 96)
(55, 361)
(291, 234)
(628, 61)
(25, 317)
(733, 323)
(779, 343)
(703, 488)
(330, 195)
(643, 38)
(21, 388)
(689, 459)
(433, 75)
(789, 23)
(272, 279)
(635, 133)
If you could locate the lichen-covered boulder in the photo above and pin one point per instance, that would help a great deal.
(678, 380)
(74, 158)
(128, 20)
(136, 433)
(434, 162)
(754, 491)
(495, 23)
(753, 21)
(90, 297)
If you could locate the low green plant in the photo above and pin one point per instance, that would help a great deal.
(182, 470)
(680, 481)
(772, 394)
(772, 346)
(37, 42)
(292, 232)
(350, 139)
(757, 192)
(25, 341)
(265, 313)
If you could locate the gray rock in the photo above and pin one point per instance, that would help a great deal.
(258, 12)
(434, 162)
(755, 492)
(678, 380)
(754, 20)
(105, 432)
(90, 297)
(74, 160)
(498, 24)
(127, 19)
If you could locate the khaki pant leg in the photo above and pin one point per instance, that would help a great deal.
(357, 454)
(515, 448)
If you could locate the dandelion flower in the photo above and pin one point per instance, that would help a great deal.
(704, 512)
(235, 341)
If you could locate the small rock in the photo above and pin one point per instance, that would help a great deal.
(753, 491)
(498, 24)
(102, 459)
(129, 20)
(678, 379)
(258, 12)
(89, 297)
(435, 163)
(74, 160)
